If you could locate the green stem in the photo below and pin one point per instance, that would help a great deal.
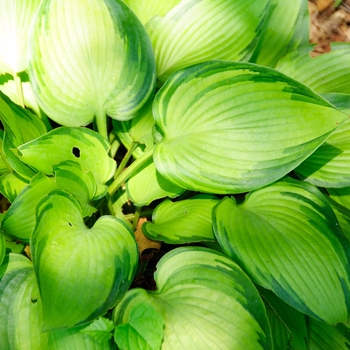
(101, 123)
(136, 218)
(130, 171)
(126, 158)
(19, 89)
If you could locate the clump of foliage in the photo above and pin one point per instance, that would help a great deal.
(211, 122)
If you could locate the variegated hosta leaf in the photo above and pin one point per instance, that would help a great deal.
(229, 127)
(287, 27)
(206, 301)
(81, 145)
(329, 165)
(20, 126)
(137, 130)
(16, 17)
(287, 238)
(329, 72)
(11, 186)
(324, 336)
(89, 58)
(19, 220)
(148, 185)
(85, 269)
(180, 222)
(2, 248)
(195, 31)
(339, 100)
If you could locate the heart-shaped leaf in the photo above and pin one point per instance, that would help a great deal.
(19, 221)
(81, 145)
(89, 58)
(206, 301)
(180, 222)
(86, 270)
(233, 127)
(202, 30)
(16, 17)
(286, 27)
(287, 238)
(144, 330)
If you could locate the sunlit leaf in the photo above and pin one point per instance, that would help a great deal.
(233, 127)
(14, 261)
(148, 185)
(329, 72)
(99, 329)
(82, 145)
(287, 238)
(90, 58)
(341, 207)
(341, 101)
(85, 269)
(286, 27)
(16, 17)
(206, 301)
(19, 220)
(202, 30)
(11, 186)
(143, 331)
(184, 221)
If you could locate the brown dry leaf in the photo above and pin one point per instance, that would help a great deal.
(146, 246)
(27, 251)
(323, 4)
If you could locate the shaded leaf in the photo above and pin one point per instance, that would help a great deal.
(99, 329)
(11, 185)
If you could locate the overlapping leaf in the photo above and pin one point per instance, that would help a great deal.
(286, 27)
(180, 222)
(233, 127)
(206, 301)
(86, 270)
(287, 238)
(89, 58)
(80, 145)
(200, 30)
(19, 220)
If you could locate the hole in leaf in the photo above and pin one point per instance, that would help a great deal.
(76, 152)
(34, 300)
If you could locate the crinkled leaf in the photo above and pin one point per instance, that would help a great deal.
(89, 58)
(19, 220)
(82, 145)
(99, 329)
(137, 130)
(143, 331)
(85, 269)
(11, 185)
(287, 238)
(186, 221)
(20, 126)
(16, 17)
(286, 27)
(233, 127)
(329, 72)
(148, 185)
(202, 30)
(329, 165)
(206, 301)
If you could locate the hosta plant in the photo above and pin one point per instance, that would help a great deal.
(174, 175)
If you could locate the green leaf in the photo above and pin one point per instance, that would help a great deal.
(14, 261)
(144, 330)
(137, 130)
(11, 185)
(287, 239)
(286, 27)
(99, 329)
(329, 72)
(20, 220)
(20, 126)
(2, 248)
(20, 311)
(323, 336)
(90, 58)
(329, 165)
(80, 145)
(16, 17)
(181, 222)
(201, 30)
(339, 100)
(148, 185)
(234, 127)
(85, 269)
(206, 301)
